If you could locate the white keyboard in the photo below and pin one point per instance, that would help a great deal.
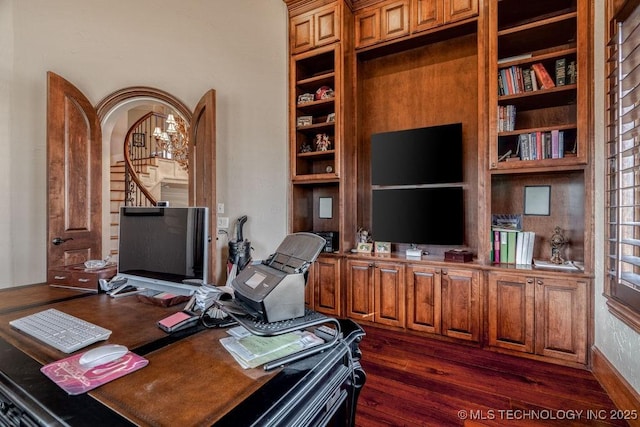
(60, 330)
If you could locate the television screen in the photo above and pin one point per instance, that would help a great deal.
(164, 248)
(429, 155)
(419, 215)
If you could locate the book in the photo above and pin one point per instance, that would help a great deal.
(544, 79)
(534, 82)
(561, 65)
(503, 247)
(514, 58)
(519, 247)
(496, 247)
(526, 78)
(555, 146)
(75, 379)
(511, 246)
(572, 73)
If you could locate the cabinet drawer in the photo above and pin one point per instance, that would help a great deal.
(78, 277)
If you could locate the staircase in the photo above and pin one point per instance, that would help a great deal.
(138, 180)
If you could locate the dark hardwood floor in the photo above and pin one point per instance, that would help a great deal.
(416, 381)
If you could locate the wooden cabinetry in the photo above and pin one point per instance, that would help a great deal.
(321, 130)
(461, 308)
(548, 141)
(381, 23)
(375, 292)
(545, 316)
(424, 299)
(314, 29)
(392, 19)
(323, 290)
(77, 276)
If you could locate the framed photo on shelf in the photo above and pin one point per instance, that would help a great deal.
(383, 247)
(364, 247)
(537, 200)
(137, 139)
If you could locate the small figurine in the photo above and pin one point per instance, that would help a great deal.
(322, 142)
(305, 148)
(557, 242)
(363, 236)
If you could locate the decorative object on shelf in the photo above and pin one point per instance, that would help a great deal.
(331, 117)
(363, 236)
(305, 97)
(305, 120)
(174, 139)
(383, 247)
(558, 241)
(305, 148)
(322, 142)
(364, 247)
(329, 169)
(324, 92)
(458, 255)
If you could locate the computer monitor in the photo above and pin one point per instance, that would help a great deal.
(164, 248)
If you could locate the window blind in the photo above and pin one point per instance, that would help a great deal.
(623, 158)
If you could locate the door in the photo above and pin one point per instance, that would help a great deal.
(74, 176)
(202, 167)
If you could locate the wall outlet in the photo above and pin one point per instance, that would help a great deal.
(223, 222)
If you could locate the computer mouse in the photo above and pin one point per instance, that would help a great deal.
(101, 355)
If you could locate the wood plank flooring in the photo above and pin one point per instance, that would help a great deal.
(417, 381)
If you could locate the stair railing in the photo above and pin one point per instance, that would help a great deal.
(140, 149)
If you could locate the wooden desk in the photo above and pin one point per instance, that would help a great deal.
(190, 380)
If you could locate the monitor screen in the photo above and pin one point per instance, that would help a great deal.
(419, 215)
(164, 248)
(428, 155)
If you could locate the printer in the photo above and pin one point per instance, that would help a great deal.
(274, 290)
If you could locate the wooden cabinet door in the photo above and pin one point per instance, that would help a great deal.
(327, 26)
(457, 10)
(561, 319)
(389, 295)
(301, 33)
(360, 290)
(426, 14)
(423, 299)
(327, 286)
(394, 20)
(511, 306)
(314, 29)
(461, 304)
(367, 27)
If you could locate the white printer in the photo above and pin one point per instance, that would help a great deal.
(274, 290)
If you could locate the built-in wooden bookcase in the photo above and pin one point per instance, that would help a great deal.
(549, 141)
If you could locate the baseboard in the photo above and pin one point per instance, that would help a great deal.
(618, 389)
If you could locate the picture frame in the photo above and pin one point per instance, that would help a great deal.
(325, 207)
(138, 139)
(364, 247)
(304, 121)
(537, 200)
(383, 247)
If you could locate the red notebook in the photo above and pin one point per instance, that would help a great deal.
(75, 379)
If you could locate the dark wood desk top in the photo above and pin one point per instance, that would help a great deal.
(192, 381)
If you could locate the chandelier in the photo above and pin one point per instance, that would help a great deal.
(174, 140)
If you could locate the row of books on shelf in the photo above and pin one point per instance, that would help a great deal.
(512, 246)
(506, 118)
(516, 79)
(541, 145)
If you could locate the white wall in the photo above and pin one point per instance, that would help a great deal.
(237, 47)
(619, 343)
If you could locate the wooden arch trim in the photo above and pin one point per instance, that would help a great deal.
(111, 101)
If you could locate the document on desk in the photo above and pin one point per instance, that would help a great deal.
(251, 351)
(76, 379)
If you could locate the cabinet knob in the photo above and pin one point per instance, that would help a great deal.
(529, 280)
(444, 272)
(540, 282)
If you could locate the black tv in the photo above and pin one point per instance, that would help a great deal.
(164, 248)
(428, 155)
(433, 216)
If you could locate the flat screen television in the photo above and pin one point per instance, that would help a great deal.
(164, 248)
(432, 216)
(428, 155)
